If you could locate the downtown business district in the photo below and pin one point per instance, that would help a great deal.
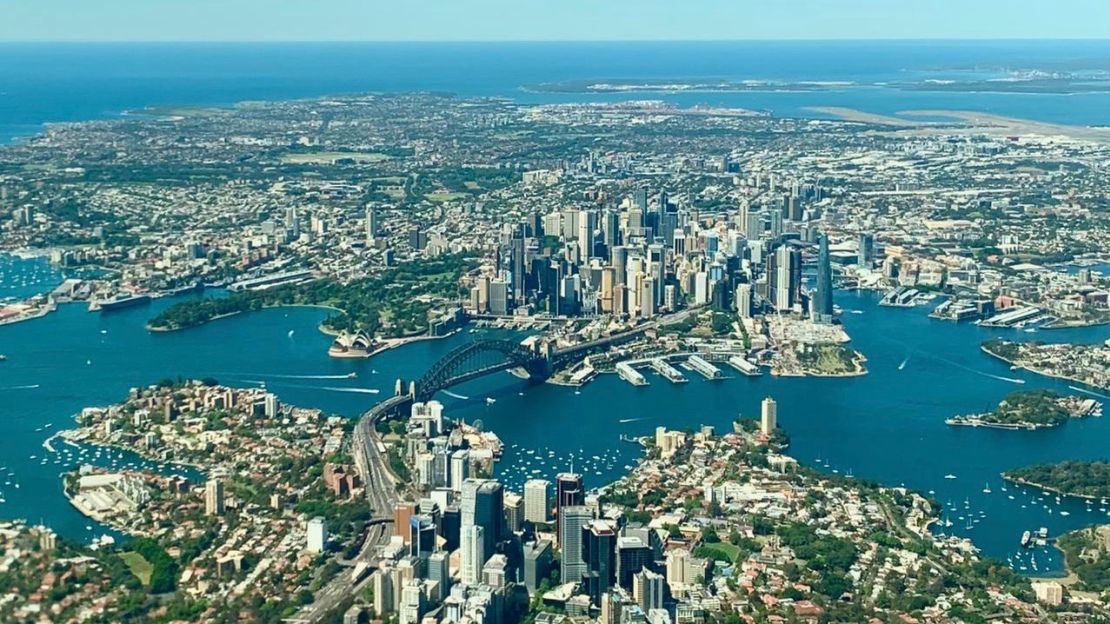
(584, 222)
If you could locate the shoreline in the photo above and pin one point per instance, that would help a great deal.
(1046, 488)
(983, 348)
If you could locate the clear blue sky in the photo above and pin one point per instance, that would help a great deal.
(521, 20)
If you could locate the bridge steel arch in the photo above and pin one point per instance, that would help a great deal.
(470, 361)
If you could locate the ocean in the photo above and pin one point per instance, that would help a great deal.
(42, 83)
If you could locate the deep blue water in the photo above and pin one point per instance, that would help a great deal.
(71, 82)
(886, 426)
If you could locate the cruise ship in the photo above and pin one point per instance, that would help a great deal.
(118, 301)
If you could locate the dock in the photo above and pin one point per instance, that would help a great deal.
(671, 373)
(630, 374)
(701, 365)
(744, 366)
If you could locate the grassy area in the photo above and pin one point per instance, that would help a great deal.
(139, 566)
(725, 550)
(326, 158)
(445, 196)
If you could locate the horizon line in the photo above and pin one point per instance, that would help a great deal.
(536, 41)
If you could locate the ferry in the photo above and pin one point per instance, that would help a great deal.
(490, 400)
(949, 476)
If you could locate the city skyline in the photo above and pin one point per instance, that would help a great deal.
(500, 20)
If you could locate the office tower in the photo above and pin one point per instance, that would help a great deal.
(768, 420)
(451, 527)
(460, 469)
(538, 557)
(537, 501)
(439, 572)
(483, 505)
(865, 257)
(499, 296)
(633, 555)
(495, 572)
(412, 603)
(786, 270)
(823, 303)
(516, 257)
(619, 260)
(572, 521)
(599, 541)
(371, 225)
(514, 512)
(402, 514)
(640, 199)
(383, 590)
(753, 226)
(587, 223)
(317, 530)
(677, 560)
(473, 554)
(744, 300)
(214, 497)
(422, 532)
(568, 492)
(647, 590)
(610, 230)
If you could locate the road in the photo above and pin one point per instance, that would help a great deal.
(380, 487)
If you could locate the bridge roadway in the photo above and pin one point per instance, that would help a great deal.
(380, 483)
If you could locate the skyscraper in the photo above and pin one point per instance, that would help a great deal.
(483, 505)
(537, 504)
(782, 275)
(214, 497)
(823, 302)
(317, 530)
(866, 254)
(768, 420)
(473, 554)
(572, 520)
(599, 541)
(568, 492)
(371, 225)
(647, 590)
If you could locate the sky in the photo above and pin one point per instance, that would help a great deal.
(548, 20)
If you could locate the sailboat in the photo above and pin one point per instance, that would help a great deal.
(987, 488)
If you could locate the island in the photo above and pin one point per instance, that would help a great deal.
(1085, 364)
(1031, 409)
(1083, 479)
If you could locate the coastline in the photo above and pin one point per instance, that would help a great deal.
(1046, 488)
(1042, 373)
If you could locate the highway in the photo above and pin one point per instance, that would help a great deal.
(380, 487)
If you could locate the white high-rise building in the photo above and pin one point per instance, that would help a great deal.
(412, 603)
(769, 416)
(472, 545)
(537, 501)
(676, 568)
(317, 530)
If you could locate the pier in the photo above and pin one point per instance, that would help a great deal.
(701, 365)
(671, 373)
(744, 366)
(630, 374)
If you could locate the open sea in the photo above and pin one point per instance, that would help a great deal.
(886, 426)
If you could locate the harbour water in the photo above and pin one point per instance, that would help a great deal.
(887, 426)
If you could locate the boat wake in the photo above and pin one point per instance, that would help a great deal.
(455, 395)
(26, 387)
(903, 364)
(628, 420)
(1090, 392)
(277, 376)
(357, 390)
